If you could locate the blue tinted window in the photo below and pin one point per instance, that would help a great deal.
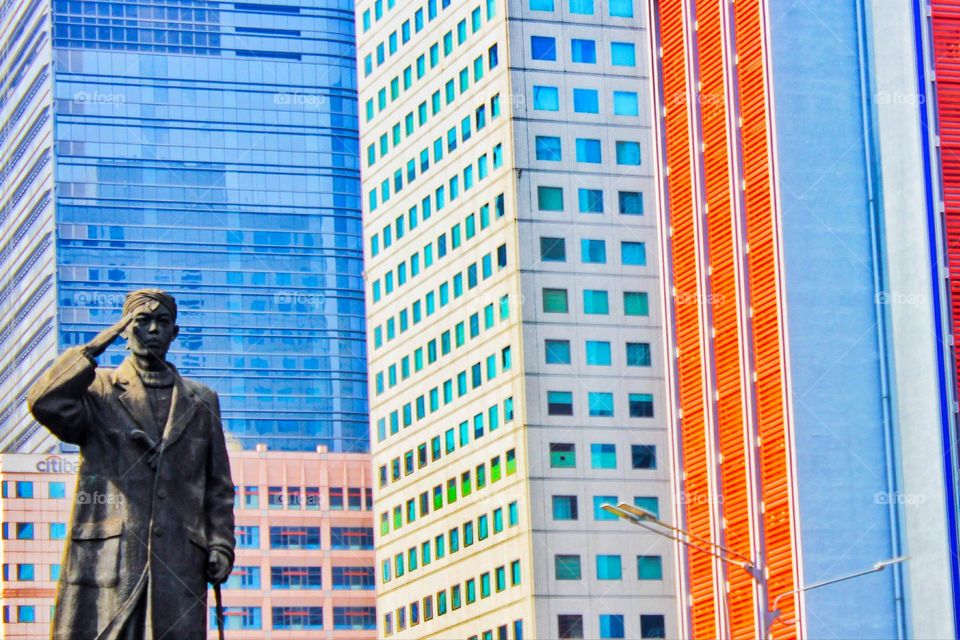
(584, 51)
(621, 8)
(543, 48)
(625, 103)
(593, 251)
(633, 253)
(609, 567)
(584, 7)
(546, 98)
(590, 200)
(630, 202)
(541, 5)
(588, 150)
(598, 352)
(628, 152)
(557, 351)
(611, 626)
(600, 404)
(548, 148)
(586, 101)
(623, 54)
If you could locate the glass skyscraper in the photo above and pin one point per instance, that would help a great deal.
(206, 148)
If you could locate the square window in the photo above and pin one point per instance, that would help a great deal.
(626, 103)
(553, 249)
(563, 455)
(609, 567)
(555, 301)
(548, 148)
(603, 456)
(648, 503)
(598, 353)
(590, 200)
(611, 625)
(550, 198)
(541, 5)
(565, 507)
(570, 626)
(557, 351)
(641, 405)
(586, 101)
(621, 9)
(649, 568)
(546, 98)
(559, 403)
(635, 303)
(596, 302)
(630, 203)
(583, 7)
(633, 253)
(583, 51)
(628, 153)
(543, 48)
(600, 404)
(623, 54)
(643, 456)
(566, 567)
(593, 251)
(638, 354)
(588, 150)
(652, 626)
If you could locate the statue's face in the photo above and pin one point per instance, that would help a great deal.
(151, 332)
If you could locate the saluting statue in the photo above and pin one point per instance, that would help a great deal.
(153, 517)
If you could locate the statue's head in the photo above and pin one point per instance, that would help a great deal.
(154, 324)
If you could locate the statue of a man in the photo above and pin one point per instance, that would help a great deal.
(153, 518)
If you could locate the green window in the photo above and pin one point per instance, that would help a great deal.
(438, 497)
(566, 567)
(550, 198)
(649, 568)
(555, 301)
(466, 484)
(635, 303)
(511, 462)
(563, 455)
(451, 490)
(494, 468)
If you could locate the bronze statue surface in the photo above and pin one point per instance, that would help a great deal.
(153, 518)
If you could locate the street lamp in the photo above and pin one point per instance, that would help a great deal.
(644, 519)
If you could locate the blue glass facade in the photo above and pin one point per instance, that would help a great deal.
(212, 150)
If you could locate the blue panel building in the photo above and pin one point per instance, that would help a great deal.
(207, 148)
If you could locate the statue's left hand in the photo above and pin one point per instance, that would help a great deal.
(218, 567)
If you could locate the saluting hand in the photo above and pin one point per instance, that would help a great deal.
(107, 337)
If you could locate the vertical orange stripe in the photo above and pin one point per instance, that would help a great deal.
(763, 240)
(687, 314)
(734, 485)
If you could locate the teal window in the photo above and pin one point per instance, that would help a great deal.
(543, 48)
(623, 54)
(630, 202)
(600, 404)
(541, 5)
(563, 455)
(501, 580)
(638, 354)
(641, 405)
(550, 198)
(513, 514)
(548, 148)
(595, 302)
(649, 568)
(628, 152)
(454, 538)
(588, 150)
(485, 585)
(557, 351)
(648, 503)
(546, 98)
(635, 303)
(471, 591)
(611, 626)
(559, 403)
(564, 507)
(583, 51)
(633, 253)
(622, 9)
(598, 353)
(461, 32)
(483, 522)
(515, 573)
(497, 520)
(439, 544)
(566, 567)
(590, 200)
(553, 249)
(598, 512)
(584, 7)
(603, 456)
(56, 490)
(609, 567)
(626, 103)
(475, 20)
(593, 251)
(25, 572)
(586, 101)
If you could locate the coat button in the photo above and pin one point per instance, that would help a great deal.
(158, 531)
(161, 493)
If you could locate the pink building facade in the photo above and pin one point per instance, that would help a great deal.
(305, 559)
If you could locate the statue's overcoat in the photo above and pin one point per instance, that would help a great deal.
(147, 510)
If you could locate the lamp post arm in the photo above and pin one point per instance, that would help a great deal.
(750, 568)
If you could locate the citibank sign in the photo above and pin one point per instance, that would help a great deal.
(57, 464)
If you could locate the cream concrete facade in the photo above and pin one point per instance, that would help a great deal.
(514, 319)
(303, 561)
